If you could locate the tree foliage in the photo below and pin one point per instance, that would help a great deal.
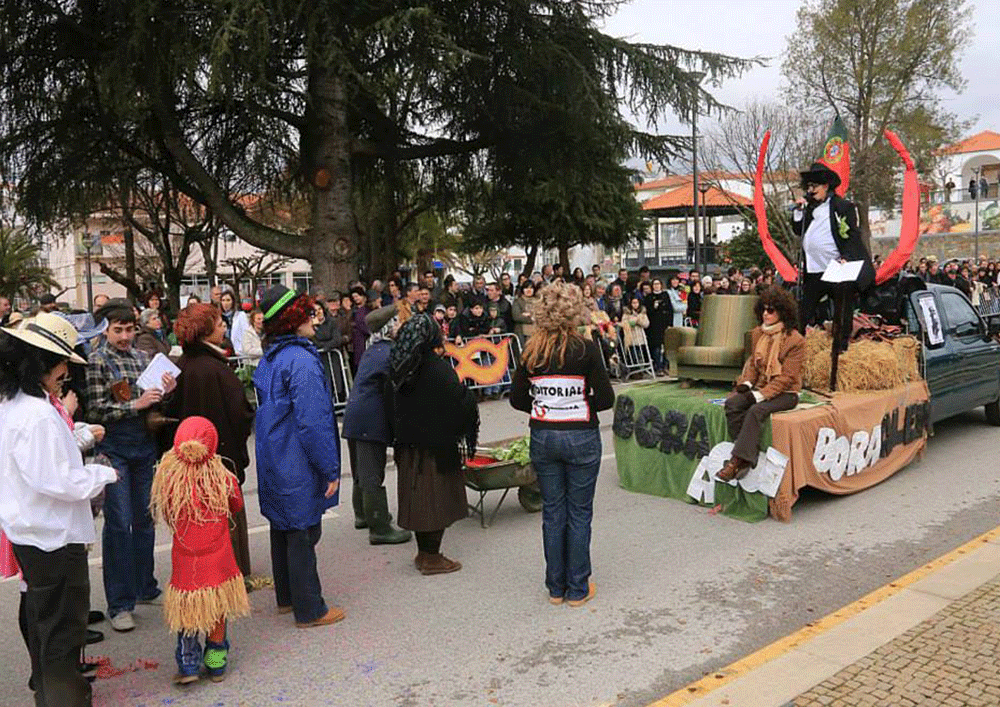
(880, 64)
(320, 102)
(21, 269)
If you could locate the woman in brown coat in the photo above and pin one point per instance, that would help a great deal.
(770, 381)
(209, 388)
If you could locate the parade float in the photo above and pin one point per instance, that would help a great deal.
(864, 414)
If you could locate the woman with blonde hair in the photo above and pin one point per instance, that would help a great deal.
(562, 384)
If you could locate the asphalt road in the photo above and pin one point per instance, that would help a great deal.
(680, 592)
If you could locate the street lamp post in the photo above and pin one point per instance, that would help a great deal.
(703, 188)
(976, 207)
(697, 77)
(87, 246)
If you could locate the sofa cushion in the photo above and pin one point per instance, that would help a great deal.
(729, 356)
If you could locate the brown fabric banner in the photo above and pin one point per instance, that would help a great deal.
(850, 444)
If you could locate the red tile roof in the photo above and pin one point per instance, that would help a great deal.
(683, 196)
(986, 140)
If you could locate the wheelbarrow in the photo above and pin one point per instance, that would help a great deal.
(484, 474)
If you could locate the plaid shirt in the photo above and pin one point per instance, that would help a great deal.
(106, 366)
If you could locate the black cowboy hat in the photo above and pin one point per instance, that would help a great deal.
(819, 173)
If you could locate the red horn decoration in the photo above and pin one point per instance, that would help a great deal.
(910, 228)
(788, 273)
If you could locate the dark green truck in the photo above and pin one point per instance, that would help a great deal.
(960, 357)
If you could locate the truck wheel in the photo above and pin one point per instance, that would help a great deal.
(993, 413)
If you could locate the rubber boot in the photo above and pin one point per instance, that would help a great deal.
(358, 500)
(188, 657)
(380, 530)
(216, 657)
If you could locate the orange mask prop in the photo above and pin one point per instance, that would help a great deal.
(467, 364)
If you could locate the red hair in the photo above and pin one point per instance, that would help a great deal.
(291, 317)
(195, 322)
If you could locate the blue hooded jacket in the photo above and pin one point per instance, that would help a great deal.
(365, 416)
(298, 450)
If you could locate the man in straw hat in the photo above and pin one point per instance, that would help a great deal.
(828, 225)
(45, 509)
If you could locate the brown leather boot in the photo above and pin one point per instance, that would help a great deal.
(735, 468)
(332, 616)
(419, 560)
(439, 564)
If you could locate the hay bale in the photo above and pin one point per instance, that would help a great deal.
(866, 365)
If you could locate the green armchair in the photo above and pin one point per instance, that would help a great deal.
(717, 349)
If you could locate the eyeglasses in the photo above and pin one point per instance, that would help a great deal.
(768, 309)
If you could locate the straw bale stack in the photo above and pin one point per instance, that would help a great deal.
(866, 365)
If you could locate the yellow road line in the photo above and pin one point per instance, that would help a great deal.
(718, 678)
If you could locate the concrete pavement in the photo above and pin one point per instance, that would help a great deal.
(681, 593)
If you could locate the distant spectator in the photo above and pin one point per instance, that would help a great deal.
(507, 287)
(472, 322)
(327, 332)
(694, 303)
(578, 277)
(613, 304)
(150, 337)
(252, 346)
(660, 312)
(973, 189)
(451, 297)
(521, 311)
(4, 311)
(47, 303)
(359, 329)
(100, 301)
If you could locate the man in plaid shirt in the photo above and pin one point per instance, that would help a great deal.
(116, 402)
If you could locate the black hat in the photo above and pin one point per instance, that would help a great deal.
(819, 173)
(359, 290)
(380, 317)
(47, 298)
(275, 300)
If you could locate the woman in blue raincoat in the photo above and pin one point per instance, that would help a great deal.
(298, 453)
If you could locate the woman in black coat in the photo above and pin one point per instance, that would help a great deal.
(434, 414)
(208, 387)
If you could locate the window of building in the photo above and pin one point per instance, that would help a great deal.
(302, 282)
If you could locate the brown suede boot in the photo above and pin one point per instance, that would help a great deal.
(419, 560)
(735, 468)
(439, 564)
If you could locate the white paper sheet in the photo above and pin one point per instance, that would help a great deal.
(152, 377)
(764, 477)
(837, 271)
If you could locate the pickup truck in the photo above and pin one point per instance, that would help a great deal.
(960, 356)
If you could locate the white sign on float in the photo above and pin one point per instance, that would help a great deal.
(765, 477)
(837, 456)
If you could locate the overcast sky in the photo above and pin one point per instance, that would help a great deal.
(760, 27)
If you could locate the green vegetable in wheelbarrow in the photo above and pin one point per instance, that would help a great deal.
(518, 452)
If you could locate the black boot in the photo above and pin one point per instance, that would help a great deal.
(358, 501)
(380, 530)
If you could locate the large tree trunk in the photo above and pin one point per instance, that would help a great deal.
(333, 245)
(564, 259)
(531, 254)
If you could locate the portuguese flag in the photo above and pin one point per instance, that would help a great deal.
(837, 154)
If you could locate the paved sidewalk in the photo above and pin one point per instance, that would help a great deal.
(931, 638)
(949, 659)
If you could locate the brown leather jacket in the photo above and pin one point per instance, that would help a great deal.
(791, 355)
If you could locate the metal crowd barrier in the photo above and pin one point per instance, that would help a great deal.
(513, 360)
(635, 360)
(989, 302)
(336, 368)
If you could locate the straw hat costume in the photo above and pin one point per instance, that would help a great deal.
(49, 332)
(196, 495)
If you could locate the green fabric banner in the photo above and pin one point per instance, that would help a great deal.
(661, 432)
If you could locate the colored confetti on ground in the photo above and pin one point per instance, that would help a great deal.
(105, 669)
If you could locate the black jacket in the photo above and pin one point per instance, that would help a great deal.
(470, 325)
(850, 245)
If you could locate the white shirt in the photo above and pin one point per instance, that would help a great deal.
(45, 488)
(818, 240)
(240, 323)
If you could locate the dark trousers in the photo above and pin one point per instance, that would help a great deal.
(367, 463)
(813, 290)
(56, 606)
(567, 463)
(129, 531)
(296, 580)
(745, 418)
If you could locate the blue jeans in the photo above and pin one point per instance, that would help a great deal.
(566, 462)
(296, 580)
(129, 532)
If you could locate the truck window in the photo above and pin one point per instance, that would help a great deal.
(961, 317)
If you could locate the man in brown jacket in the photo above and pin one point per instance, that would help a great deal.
(770, 381)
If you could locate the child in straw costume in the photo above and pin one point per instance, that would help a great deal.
(197, 496)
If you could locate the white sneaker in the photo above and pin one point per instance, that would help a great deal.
(123, 621)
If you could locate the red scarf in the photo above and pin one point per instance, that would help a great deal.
(61, 409)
